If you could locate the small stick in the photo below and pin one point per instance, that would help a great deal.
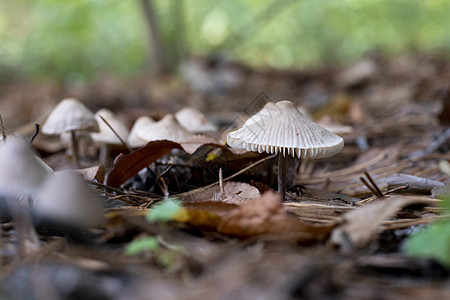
(377, 189)
(116, 134)
(3, 128)
(222, 190)
(35, 133)
(368, 185)
(399, 188)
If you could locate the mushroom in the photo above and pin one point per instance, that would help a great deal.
(70, 115)
(282, 129)
(106, 136)
(21, 172)
(133, 140)
(194, 121)
(66, 197)
(167, 128)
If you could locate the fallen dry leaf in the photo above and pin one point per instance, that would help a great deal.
(126, 166)
(266, 215)
(361, 224)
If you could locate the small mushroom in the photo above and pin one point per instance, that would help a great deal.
(282, 129)
(194, 121)
(167, 128)
(66, 197)
(21, 172)
(106, 136)
(70, 115)
(133, 140)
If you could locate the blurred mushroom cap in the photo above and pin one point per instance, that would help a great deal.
(282, 128)
(67, 197)
(194, 121)
(106, 135)
(133, 140)
(70, 114)
(167, 128)
(21, 172)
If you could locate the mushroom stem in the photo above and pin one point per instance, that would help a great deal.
(74, 144)
(104, 155)
(282, 175)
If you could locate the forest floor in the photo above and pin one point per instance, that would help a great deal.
(339, 234)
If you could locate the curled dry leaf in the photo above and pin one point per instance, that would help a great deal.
(361, 224)
(126, 166)
(265, 215)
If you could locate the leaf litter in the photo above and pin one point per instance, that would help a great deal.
(339, 232)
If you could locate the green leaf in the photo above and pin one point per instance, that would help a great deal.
(164, 211)
(141, 245)
(433, 242)
(445, 204)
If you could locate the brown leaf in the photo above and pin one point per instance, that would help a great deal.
(361, 224)
(262, 188)
(126, 166)
(265, 215)
(205, 215)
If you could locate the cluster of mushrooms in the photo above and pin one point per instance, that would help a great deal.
(279, 128)
(26, 180)
(72, 117)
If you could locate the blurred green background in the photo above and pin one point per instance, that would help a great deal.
(83, 39)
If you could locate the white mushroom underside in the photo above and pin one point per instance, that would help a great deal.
(312, 153)
(281, 128)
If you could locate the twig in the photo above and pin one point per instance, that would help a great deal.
(116, 134)
(3, 128)
(106, 187)
(222, 190)
(35, 133)
(377, 189)
(368, 185)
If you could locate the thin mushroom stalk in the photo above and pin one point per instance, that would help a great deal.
(74, 145)
(282, 175)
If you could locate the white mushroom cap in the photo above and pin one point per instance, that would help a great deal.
(282, 128)
(67, 197)
(106, 135)
(21, 172)
(266, 111)
(70, 114)
(167, 128)
(133, 140)
(194, 121)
